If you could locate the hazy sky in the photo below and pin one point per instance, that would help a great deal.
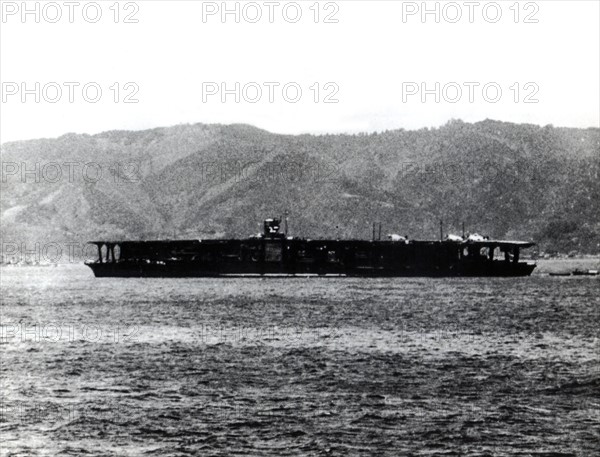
(375, 61)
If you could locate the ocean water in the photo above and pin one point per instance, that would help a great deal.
(306, 366)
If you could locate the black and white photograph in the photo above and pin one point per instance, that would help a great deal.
(300, 228)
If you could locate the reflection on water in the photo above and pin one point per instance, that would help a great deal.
(302, 366)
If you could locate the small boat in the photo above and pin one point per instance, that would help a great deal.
(567, 273)
(585, 272)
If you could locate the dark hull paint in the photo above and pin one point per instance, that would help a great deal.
(189, 270)
(297, 257)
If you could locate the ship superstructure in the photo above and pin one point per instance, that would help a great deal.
(274, 253)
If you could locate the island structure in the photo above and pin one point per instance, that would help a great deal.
(272, 253)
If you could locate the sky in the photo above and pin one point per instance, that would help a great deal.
(295, 67)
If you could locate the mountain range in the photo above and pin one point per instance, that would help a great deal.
(504, 180)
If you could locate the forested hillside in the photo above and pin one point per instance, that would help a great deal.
(506, 180)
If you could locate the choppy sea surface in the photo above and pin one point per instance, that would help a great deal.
(305, 366)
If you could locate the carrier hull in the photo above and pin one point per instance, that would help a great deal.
(192, 271)
(265, 257)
